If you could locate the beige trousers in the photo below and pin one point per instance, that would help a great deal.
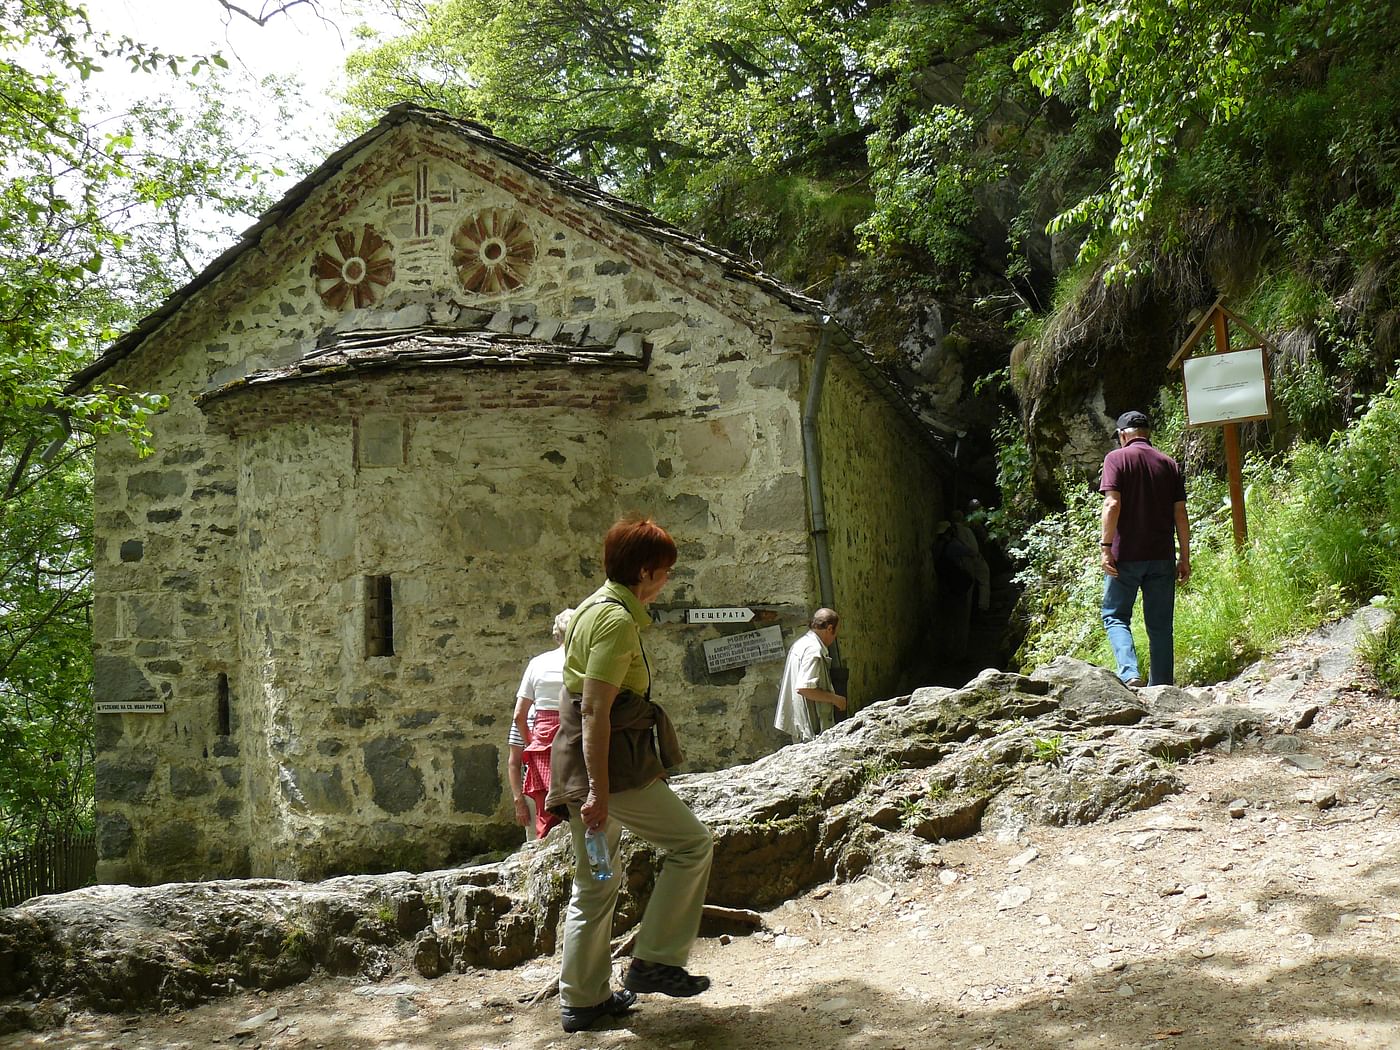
(672, 918)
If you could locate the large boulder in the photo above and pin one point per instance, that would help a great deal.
(879, 791)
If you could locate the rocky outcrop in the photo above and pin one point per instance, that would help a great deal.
(1066, 745)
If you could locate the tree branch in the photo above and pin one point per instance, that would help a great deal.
(269, 11)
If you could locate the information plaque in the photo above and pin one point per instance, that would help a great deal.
(130, 707)
(1226, 388)
(740, 650)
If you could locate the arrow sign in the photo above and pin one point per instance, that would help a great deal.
(718, 615)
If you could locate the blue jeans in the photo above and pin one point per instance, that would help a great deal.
(1157, 579)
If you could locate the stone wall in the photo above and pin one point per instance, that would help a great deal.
(165, 612)
(396, 760)
(232, 565)
(882, 493)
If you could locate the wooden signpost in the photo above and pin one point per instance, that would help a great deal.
(1226, 388)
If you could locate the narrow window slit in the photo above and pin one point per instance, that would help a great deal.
(379, 616)
(224, 710)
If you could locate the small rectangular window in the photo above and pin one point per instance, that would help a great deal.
(379, 616)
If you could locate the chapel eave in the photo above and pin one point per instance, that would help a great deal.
(354, 354)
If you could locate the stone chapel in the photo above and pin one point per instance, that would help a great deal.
(403, 409)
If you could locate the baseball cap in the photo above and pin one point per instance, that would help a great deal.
(1133, 420)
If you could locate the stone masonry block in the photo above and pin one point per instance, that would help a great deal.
(397, 781)
(476, 780)
(778, 504)
(631, 454)
(124, 778)
(716, 446)
(118, 679)
(190, 783)
(113, 836)
(156, 484)
(176, 847)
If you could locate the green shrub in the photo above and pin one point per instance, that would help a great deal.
(1062, 583)
(1380, 651)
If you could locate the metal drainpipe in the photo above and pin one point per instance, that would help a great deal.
(812, 458)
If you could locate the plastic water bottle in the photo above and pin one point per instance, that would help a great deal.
(596, 842)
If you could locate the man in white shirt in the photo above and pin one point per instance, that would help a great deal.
(807, 679)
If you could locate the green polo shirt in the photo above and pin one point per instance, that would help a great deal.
(604, 641)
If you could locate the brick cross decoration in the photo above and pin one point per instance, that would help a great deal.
(421, 199)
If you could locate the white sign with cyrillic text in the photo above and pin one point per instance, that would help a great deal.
(740, 650)
(718, 615)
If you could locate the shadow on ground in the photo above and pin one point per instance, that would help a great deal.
(1176, 1001)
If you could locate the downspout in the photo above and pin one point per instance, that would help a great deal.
(816, 504)
(813, 461)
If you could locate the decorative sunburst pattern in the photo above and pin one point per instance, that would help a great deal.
(354, 271)
(493, 251)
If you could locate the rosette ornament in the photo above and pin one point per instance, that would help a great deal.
(354, 271)
(493, 251)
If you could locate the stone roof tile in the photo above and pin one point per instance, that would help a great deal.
(429, 346)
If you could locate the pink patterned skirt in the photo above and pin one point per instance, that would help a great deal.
(536, 760)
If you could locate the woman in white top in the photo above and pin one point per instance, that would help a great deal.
(532, 730)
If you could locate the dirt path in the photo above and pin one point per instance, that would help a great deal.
(1259, 908)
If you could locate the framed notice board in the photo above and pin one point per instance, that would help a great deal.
(1229, 387)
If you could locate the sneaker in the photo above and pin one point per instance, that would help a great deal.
(582, 1018)
(644, 976)
(1135, 683)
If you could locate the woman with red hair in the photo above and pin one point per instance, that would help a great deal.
(608, 772)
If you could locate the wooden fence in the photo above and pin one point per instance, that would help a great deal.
(56, 862)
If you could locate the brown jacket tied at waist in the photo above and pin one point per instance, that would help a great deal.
(642, 747)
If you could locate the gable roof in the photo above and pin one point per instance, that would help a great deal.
(618, 210)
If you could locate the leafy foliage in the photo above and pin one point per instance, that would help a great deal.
(571, 80)
(45, 639)
(54, 240)
(689, 105)
(770, 80)
(1205, 76)
(1062, 583)
(1381, 649)
(96, 225)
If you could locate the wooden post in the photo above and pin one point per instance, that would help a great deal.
(1232, 467)
(1232, 448)
(1245, 408)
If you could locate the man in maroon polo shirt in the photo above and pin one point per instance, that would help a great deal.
(1144, 505)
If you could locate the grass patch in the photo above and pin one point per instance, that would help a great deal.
(1380, 651)
(1049, 750)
